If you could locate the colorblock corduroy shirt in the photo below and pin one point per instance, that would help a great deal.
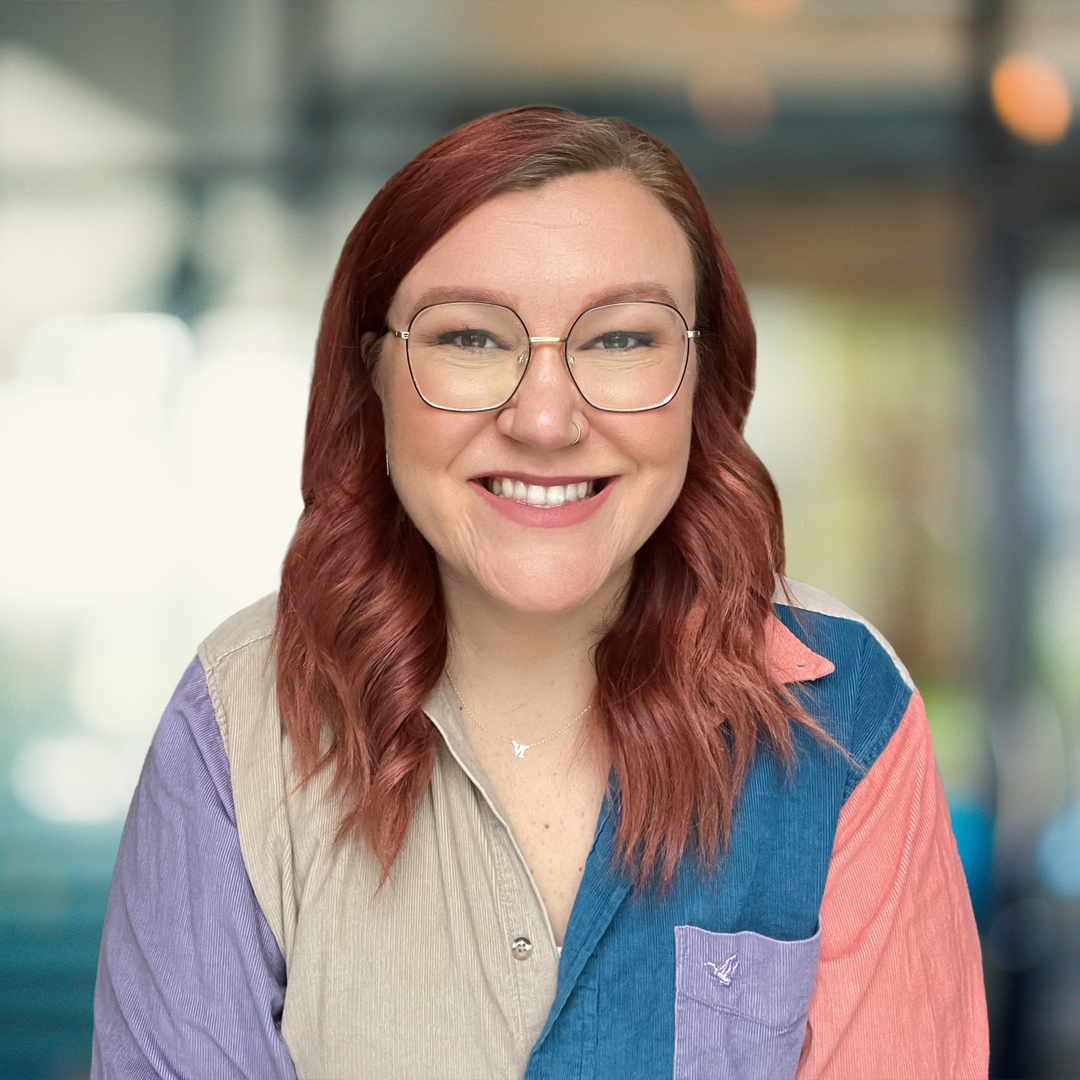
(833, 939)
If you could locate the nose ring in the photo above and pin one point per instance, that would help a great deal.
(578, 426)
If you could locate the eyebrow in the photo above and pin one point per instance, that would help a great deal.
(456, 293)
(644, 290)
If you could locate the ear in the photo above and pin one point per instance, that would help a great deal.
(369, 355)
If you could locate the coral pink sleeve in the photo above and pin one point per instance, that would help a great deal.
(899, 991)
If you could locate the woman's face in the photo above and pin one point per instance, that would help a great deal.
(548, 253)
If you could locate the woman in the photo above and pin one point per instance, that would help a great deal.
(536, 765)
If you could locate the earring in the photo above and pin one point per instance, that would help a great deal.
(387, 464)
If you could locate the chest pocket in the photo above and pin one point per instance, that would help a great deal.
(741, 1002)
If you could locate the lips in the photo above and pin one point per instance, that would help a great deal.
(542, 495)
(544, 501)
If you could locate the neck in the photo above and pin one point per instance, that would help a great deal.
(523, 674)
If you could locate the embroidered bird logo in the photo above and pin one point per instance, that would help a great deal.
(726, 972)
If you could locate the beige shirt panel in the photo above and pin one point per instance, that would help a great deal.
(417, 979)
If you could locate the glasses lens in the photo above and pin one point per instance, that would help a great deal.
(467, 356)
(628, 356)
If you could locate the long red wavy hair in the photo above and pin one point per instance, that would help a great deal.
(684, 692)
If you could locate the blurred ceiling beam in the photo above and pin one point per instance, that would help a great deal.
(297, 88)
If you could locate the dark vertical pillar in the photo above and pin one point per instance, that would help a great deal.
(1004, 210)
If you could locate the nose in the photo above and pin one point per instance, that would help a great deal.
(546, 409)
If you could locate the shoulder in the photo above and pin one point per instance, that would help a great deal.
(863, 700)
(806, 598)
(248, 630)
(895, 911)
(241, 676)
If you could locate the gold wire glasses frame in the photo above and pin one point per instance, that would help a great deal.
(475, 350)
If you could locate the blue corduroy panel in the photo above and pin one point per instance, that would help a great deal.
(614, 1013)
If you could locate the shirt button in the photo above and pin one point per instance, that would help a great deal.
(521, 947)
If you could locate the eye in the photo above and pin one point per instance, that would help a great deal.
(470, 340)
(620, 341)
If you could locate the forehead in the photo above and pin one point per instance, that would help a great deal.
(552, 250)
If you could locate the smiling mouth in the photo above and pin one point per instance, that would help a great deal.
(535, 495)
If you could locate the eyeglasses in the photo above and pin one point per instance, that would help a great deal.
(471, 357)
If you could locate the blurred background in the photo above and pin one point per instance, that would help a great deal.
(898, 182)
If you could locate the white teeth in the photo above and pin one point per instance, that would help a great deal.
(537, 495)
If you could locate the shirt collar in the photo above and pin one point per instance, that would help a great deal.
(444, 711)
(790, 661)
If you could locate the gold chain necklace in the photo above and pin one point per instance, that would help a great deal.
(519, 748)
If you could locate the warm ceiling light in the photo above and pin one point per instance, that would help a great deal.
(1031, 98)
(764, 10)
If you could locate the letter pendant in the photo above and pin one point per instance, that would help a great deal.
(519, 748)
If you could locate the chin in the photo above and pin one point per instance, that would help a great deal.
(545, 589)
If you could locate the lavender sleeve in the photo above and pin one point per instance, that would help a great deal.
(190, 981)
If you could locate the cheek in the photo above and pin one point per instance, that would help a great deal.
(422, 446)
(662, 447)
(414, 434)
